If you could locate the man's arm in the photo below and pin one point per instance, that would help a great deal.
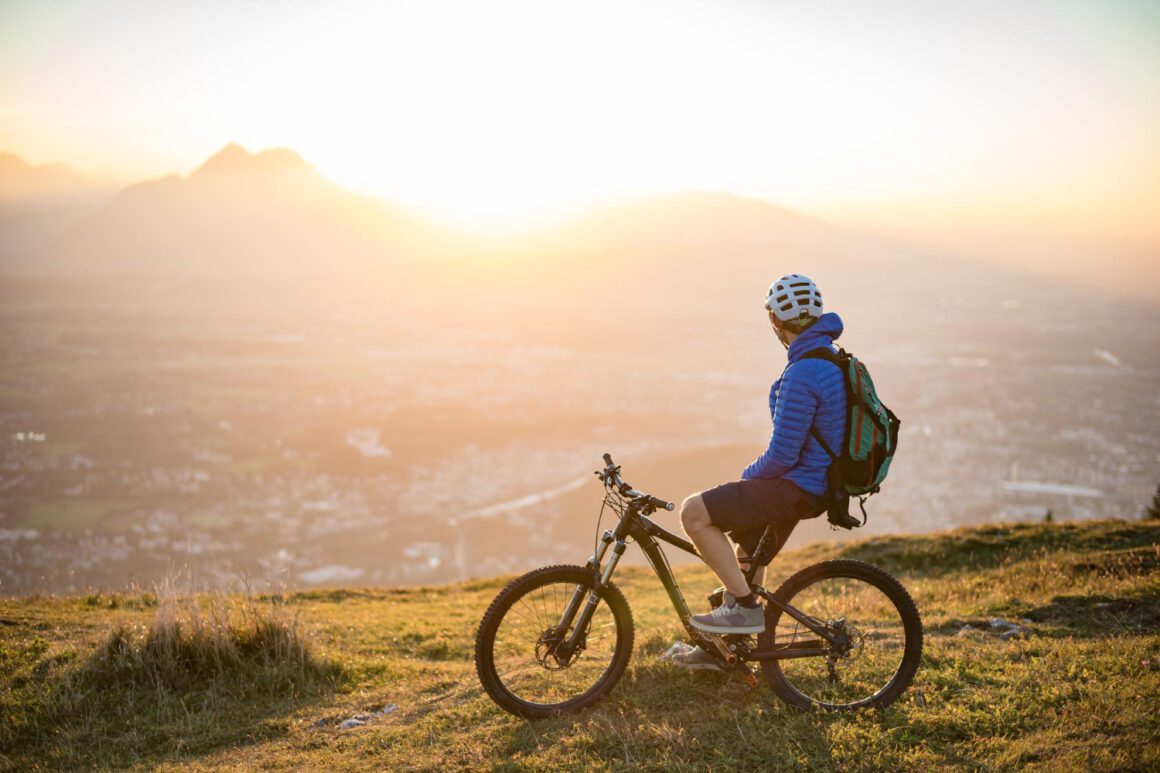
(797, 403)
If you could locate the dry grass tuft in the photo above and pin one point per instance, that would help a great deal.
(216, 640)
(189, 672)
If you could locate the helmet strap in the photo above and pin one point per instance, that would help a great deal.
(780, 332)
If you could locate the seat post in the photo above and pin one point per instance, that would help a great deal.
(758, 557)
(771, 542)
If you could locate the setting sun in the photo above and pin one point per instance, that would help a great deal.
(502, 114)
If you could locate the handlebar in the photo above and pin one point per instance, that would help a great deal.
(611, 478)
(660, 504)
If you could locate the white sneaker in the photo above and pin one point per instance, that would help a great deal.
(696, 659)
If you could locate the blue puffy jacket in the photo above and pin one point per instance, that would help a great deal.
(809, 392)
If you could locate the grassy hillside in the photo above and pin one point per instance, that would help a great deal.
(1079, 692)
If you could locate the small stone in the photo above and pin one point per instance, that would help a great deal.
(347, 724)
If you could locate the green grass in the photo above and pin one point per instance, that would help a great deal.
(1079, 693)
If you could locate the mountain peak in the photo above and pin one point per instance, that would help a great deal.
(11, 161)
(21, 180)
(233, 158)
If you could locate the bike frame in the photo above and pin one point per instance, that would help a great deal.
(639, 527)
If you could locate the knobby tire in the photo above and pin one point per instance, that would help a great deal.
(511, 594)
(877, 578)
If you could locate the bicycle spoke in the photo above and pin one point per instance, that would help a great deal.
(875, 628)
(535, 676)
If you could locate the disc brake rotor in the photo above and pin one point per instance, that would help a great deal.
(850, 647)
(547, 650)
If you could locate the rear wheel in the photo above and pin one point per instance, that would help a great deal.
(518, 652)
(876, 619)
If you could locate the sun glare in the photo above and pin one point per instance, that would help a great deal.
(511, 114)
(505, 113)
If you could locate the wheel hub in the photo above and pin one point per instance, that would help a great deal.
(551, 655)
(845, 637)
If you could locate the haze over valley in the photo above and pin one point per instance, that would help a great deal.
(250, 370)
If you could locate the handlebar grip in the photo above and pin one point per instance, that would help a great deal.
(661, 504)
(608, 459)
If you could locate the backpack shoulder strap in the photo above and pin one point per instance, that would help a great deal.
(825, 446)
(829, 355)
(823, 353)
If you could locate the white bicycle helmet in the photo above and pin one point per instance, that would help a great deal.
(795, 300)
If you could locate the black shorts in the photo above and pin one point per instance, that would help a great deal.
(744, 508)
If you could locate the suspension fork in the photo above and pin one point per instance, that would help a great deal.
(581, 627)
(577, 597)
(609, 539)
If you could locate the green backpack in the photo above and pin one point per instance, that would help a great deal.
(869, 444)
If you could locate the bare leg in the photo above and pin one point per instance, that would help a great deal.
(713, 545)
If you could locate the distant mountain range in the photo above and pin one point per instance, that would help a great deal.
(39, 203)
(238, 214)
(674, 263)
(242, 209)
(19, 179)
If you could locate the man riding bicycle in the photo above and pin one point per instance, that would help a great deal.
(788, 482)
(559, 638)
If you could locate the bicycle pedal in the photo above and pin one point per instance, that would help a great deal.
(729, 655)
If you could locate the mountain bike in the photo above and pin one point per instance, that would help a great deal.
(839, 635)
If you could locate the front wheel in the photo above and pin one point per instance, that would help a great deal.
(874, 618)
(518, 650)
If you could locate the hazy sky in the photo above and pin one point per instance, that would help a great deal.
(1034, 116)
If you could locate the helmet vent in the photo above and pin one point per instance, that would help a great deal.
(794, 297)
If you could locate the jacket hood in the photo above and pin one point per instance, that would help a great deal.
(821, 334)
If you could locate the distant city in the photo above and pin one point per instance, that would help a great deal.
(353, 453)
(248, 375)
